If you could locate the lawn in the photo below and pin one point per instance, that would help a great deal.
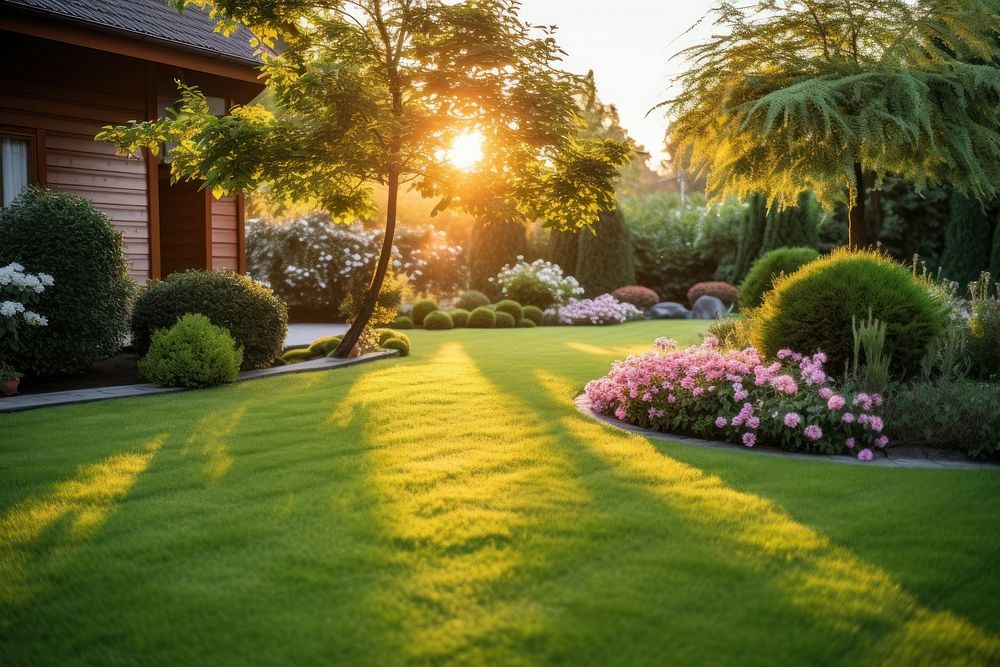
(453, 507)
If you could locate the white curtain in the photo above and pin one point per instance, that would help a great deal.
(13, 168)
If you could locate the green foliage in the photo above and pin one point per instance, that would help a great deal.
(968, 239)
(322, 347)
(8, 372)
(962, 415)
(869, 369)
(472, 299)
(492, 245)
(438, 320)
(192, 353)
(534, 314)
(526, 324)
(386, 334)
(402, 322)
(564, 249)
(65, 236)
(390, 296)
(789, 97)
(764, 228)
(482, 318)
(504, 321)
(297, 355)
(984, 339)
(995, 255)
(912, 222)
(812, 310)
(421, 309)
(512, 308)
(250, 312)
(397, 344)
(605, 259)
(766, 269)
(460, 317)
(732, 332)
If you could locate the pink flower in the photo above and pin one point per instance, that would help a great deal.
(848, 418)
(620, 413)
(882, 441)
(749, 439)
(849, 443)
(720, 422)
(792, 419)
(785, 384)
(865, 455)
(711, 342)
(753, 422)
(878, 399)
(876, 424)
(836, 402)
(813, 432)
(825, 393)
(784, 353)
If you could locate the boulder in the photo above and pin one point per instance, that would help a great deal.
(669, 310)
(708, 308)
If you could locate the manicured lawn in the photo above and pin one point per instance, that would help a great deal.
(453, 507)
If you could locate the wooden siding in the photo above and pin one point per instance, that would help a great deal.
(70, 93)
(225, 234)
(182, 225)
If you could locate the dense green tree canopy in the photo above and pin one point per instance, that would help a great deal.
(794, 95)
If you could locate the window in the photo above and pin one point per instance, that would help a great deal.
(15, 167)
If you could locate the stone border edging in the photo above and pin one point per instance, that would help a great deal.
(23, 402)
(582, 404)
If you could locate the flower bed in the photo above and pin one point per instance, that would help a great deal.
(741, 397)
(604, 309)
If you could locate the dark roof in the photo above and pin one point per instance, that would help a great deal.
(154, 20)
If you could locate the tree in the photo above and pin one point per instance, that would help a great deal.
(491, 246)
(378, 91)
(794, 95)
(605, 260)
(564, 248)
(967, 240)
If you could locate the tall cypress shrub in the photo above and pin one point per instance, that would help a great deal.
(491, 246)
(605, 261)
(751, 237)
(967, 240)
(995, 256)
(795, 227)
(564, 248)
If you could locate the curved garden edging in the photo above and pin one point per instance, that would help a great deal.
(906, 458)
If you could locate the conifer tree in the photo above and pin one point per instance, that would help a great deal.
(564, 248)
(967, 241)
(605, 260)
(491, 246)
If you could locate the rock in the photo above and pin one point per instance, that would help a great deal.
(708, 308)
(669, 310)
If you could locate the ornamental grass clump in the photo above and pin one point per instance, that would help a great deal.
(605, 309)
(742, 397)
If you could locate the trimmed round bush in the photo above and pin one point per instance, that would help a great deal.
(321, 347)
(422, 309)
(471, 300)
(397, 344)
(438, 321)
(725, 292)
(984, 340)
(249, 311)
(534, 314)
(811, 310)
(637, 295)
(297, 355)
(526, 324)
(512, 308)
(402, 322)
(504, 321)
(460, 317)
(64, 236)
(386, 334)
(192, 353)
(482, 318)
(760, 278)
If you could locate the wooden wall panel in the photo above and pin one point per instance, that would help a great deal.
(225, 234)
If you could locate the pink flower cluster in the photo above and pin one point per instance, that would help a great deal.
(741, 396)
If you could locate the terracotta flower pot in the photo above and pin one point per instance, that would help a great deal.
(9, 387)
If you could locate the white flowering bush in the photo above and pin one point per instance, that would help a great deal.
(604, 309)
(433, 264)
(540, 283)
(19, 291)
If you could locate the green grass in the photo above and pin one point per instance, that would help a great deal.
(453, 507)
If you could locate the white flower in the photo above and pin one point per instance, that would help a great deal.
(46, 279)
(34, 319)
(11, 308)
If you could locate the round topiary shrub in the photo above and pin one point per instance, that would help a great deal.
(397, 344)
(422, 309)
(534, 314)
(760, 278)
(504, 321)
(512, 308)
(322, 347)
(192, 353)
(460, 317)
(296, 355)
(471, 300)
(637, 295)
(725, 292)
(811, 310)
(526, 324)
(438, 321)
(482, 318)
(402, 322)
(246, 309)
(386, 334)
(64, 236)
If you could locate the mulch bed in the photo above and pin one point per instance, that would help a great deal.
(111, 372)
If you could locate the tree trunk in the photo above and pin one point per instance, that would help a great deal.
(856, 231)
(371, 298)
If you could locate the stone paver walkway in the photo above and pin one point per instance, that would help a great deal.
(300, 335)
(33, 401)
(892, 458)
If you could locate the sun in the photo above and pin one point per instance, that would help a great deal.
(466, 150)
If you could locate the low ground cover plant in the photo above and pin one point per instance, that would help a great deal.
(192, 353)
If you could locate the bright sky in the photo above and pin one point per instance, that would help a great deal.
(628, 44)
